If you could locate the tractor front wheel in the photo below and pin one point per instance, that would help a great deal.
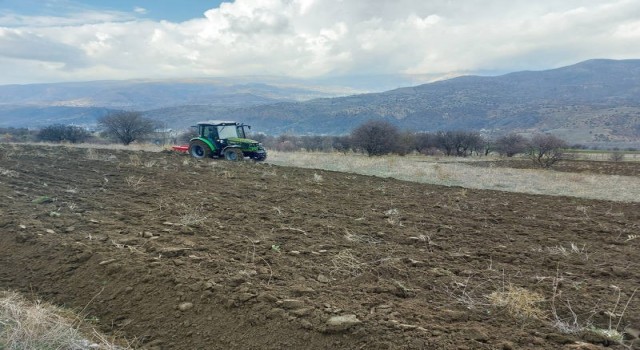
(233, 154)
(260, 157)
(199, 150)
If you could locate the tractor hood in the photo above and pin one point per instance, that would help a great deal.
(241, 140)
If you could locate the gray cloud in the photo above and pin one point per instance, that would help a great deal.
(22, 45)
(311, 38)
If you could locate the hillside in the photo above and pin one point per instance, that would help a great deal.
(590, 98)
(83, 102)
(589, 102)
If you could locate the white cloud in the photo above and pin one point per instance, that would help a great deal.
(140, 10)
(309, 38)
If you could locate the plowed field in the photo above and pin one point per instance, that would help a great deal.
(173, 253)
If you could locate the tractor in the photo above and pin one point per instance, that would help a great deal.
(226, 139)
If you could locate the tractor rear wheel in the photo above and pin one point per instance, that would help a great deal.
(199, 150)
(233, 154)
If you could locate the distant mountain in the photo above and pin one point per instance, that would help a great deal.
(22, 116)
(592, 101)
(595, 100)
(149, 94)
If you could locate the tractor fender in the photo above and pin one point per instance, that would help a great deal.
(206, 141)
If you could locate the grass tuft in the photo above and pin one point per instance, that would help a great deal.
(519, 302)
(26, 325)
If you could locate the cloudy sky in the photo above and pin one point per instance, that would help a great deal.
(79, 40)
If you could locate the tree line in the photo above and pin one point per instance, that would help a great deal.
(122, 127)
(374, 138)
(377, 138)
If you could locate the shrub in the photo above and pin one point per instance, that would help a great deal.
(341, 143)
(545, 150)
(616, 156)
(60, 133)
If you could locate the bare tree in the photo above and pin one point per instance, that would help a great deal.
(376, 137)
(446, 141)
(406, 143)
(459, 143)
(313, 143)
(469, 142)
(126, 127)
(616, 156)
(425, 142)
(511, 144)
(546, 150)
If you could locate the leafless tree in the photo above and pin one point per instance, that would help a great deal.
(459, 143)
(616, 156)
(511, 144)
(126, 127)
(376, 137)
(545, 150)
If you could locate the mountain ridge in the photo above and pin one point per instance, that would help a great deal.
(591, 101)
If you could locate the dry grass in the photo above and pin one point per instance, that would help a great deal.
(26, 325)
(345, 263)
(519, 302)
(573, 325)
(191, 214)
(457, 172)
(134, 182)
(8, 172)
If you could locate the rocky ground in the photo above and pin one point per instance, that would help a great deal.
(173, 253)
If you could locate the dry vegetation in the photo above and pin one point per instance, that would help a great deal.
(458, 172)
(38, 325)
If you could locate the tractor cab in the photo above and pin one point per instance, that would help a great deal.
(225, 139)
(220, 132)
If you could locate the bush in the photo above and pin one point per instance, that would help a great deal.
(287, 143)
(376, 138)
(616, 156)
(341, 143)
(60, 133)
(15, 135)
(546, 150)
(316, 143)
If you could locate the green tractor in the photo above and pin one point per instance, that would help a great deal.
(226, 139)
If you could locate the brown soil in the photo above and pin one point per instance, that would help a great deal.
(173, 253)
(571, 166)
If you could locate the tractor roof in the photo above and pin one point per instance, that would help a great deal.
(217, 122)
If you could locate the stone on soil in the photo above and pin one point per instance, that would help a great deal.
(185, 306)
(342, 323)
